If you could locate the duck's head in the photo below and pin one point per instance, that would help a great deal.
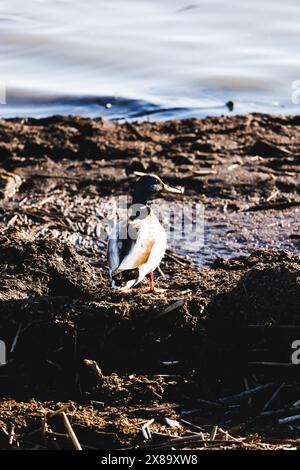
(148, 186)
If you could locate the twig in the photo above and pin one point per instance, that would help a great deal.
(4, 430)
(227, 435)
(71, 432)
(153, 409)
(272, 196)
(289, 419)
(274, 205)
(145, 429)
(204, 172)
(194, 439)
(210, 403)
(45, 428)
(12, 221)
(271, 364)
(275, 394)
(191, 412)
(279, 412)
(173, 258)
(213, 433)
(14, 343)
(246, 394)
(192, 426)
(12, 435)
(161, 273)
(247, 388)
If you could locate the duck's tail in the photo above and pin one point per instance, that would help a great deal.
(123, 280)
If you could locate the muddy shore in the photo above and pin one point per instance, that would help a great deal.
(213, 352)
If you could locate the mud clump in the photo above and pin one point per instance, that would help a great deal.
(44, 267)
(59, 317)
(267, 293)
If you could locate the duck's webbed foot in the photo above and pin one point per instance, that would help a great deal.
(152, 289)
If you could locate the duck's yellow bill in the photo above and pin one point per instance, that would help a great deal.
(169, 189)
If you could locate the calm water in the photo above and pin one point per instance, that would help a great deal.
(155, 58)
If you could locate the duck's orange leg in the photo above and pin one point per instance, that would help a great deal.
(151, 287)
(151, 282)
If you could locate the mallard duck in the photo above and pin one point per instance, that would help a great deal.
(137, 246)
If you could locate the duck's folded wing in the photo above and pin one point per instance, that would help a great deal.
(115, 248)
(131, 253)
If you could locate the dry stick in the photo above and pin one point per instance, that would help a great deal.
(247, 388)
(14, 343)
(158, 408)
(57, 434)
(190, 412)
(246, 394)
(4, 430)
(272, 196)
(227, 435)
(178, 257)
(204, 172)
(12, 435)
(161, 273)
(275, 394)
(71, 432)
(145, 429)
(279, 412)
(210, 403)
(274, 205)
(12, 221)
(290, 419)
(172, 258)
(195, 438)
(213, 433)
(192, 426)
(271, 364)
(44, 424)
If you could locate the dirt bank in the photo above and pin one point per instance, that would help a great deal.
(213, 350)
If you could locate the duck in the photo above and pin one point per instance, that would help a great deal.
(136, 246)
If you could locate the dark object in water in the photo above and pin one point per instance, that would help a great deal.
(230, 105)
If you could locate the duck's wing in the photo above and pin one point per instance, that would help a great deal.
(118, 246)
(134, 250)
(126, 255)
(131, 258)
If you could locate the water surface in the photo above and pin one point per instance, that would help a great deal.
(153, 59)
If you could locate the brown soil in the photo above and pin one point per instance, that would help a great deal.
(118, 360)
(225, 157)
